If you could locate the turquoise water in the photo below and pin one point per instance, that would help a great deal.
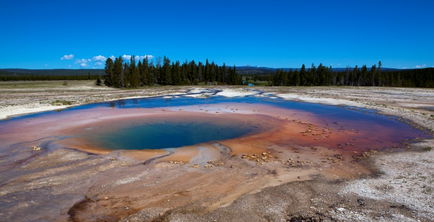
(169, 134)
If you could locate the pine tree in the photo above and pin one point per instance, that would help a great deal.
(166, 72)
(296, 78)
(108, 78)
(134, 74)
(118, 72)
(303, 77)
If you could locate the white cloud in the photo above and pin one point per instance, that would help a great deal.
(421, 66)
(67, 57)
(95, 61)
(137, 58)
(99, 58)
(143, 57)
(126, 57)
(83, 62)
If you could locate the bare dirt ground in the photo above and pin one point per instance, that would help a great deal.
(34, 96)
(69, 185)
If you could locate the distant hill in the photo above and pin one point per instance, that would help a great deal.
(254, 70)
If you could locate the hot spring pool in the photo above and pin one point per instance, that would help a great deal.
(178, 121)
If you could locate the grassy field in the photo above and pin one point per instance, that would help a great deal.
(46, 84)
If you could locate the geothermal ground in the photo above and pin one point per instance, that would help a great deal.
(236, 180)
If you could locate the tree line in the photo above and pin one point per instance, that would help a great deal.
(133, 74)
(374, 76)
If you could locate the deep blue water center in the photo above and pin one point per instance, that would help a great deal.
(170, 134)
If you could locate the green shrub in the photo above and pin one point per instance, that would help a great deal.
(61, 103)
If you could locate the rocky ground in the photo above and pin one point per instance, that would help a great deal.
(399, 190)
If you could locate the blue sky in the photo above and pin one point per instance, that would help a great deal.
(37, 34)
